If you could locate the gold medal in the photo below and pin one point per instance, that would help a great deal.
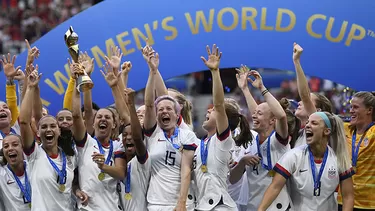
(180, 149)
(62, 188)
(271, 173)
(128, 196)
(204, 168)
(101, 176)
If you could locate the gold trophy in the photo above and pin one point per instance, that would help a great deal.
(84, 82)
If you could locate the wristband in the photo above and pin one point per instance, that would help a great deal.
(10, 82)
(265, 92)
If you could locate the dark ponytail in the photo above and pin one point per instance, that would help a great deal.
(65, 142)
(294, 124)
(245, 137)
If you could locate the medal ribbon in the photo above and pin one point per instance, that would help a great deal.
(355, 149)
(269, 161)
(101, 150)
(62, 172)
(26, 190)
(175, 134)
(204, 151)
(128, 179)
(12, 131)
(313, 168)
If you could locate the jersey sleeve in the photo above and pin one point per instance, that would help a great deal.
(118, 150)
(69, 94)
(11, 98)
(225, 140)
(189, 142)
(32, 152)
(346, 174)
(287, 164)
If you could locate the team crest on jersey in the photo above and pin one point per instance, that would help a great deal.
(332, 173)
(365, 142)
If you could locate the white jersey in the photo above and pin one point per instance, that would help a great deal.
(103, 195)
(301, 140)
(295, 166)
(258, 178)
(212, 186)
(140, 172)
(164, 186)
(44, 181)
(10, 193)
(13, 130)
(181, 124)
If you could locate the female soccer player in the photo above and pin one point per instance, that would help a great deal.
(101, 161)
(360, 139)
(213, 152)
(270, 122)
(15, 191)
(185, 119)
(310, 102)
(134, 186)
(171, 150)
(51, 169)
(315, 169)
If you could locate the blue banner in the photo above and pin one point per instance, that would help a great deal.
(337, 37)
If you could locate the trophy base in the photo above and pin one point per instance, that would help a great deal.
(84, 83)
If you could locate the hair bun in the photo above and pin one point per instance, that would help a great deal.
(284, 102)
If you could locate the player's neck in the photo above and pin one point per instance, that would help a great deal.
(52, 152)
(170, 132)
(264, 135)
(361, 128)
(18, 168)
(211, 132)
(5, 130)
(319, 149)
(104, 140)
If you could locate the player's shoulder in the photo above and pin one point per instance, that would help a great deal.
(298, 151)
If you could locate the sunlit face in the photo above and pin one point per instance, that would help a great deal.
(128, 141)
(104, 123)
(263, 118)
(44, 112)
(316, 130)
(12, 149)
(210, 122)
(48, 131)
(65, 119)
(166, 114)
(358, 112)
(5, 115)
(141, 114)
(301, 112)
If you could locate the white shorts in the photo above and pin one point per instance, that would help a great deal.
(223, 207)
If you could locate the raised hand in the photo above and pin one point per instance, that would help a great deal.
(8, 65)
(87, 62)
(76, 69)
(110, 76)
(34, 77)
(32, 53)
(126, 67)
(115, 60)
(151, 57)
(258, 82)
(242, 76)
(20, 76)
(130, 94)
(214, 57)
(297, 51)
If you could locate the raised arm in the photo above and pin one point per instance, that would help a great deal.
(213, 63)
(79, 130)
(275, 107)
(302, 84)
(136, 127)
(125, 69)
(32, 54)
(150, 113)
(26, 110)
(113, 81)
(37, 105)
(242, 81)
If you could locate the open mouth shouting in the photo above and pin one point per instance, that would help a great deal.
(165, 119)
(3, 116)
(309, 135)
(12, 156)
(49, 137)
(103, 125)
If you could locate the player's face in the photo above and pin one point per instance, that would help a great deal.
(210, 122)
(127, 141)
(358, 112)
(141, 114)
(5, 115)
(166, 114)
(48, 131)
(262, 118)
(12, 149)
(301, 111)
(103, 123)
(316, 130)
(65, 119)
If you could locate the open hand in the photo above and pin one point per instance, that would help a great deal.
(151, 57)
(8, 65)
(115, 59)
(258, 82)
(242, 76)
(32, 53)
(109, 75)
(214, 57)
(87, 62)
(34, 77)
